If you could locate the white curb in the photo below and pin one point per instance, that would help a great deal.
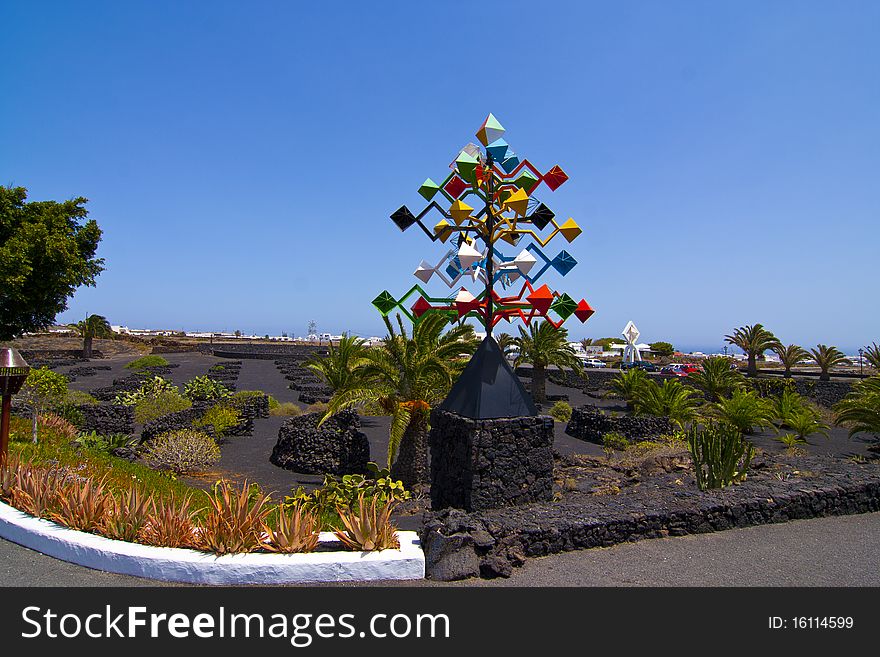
(190, 566)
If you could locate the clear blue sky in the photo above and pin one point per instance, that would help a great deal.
(243, 158)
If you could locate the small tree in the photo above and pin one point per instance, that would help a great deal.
(872, 355)
(93, 326)
(827, 358)
(717, 378)
(505, 343)
(662, 349)
(790, 355)
(42, 390)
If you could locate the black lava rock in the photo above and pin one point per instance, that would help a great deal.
(337, 447)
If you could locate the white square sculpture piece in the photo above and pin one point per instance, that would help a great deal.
(631, 351)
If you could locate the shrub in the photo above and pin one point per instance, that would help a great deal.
(204, 388)
(614, 440)
(368, 526)
(790, 440)
(146, 361)
(52, 422)
(744, 411)
(127, 515)
(296, 530)
(806, 424)
(860, 409)
(717, 378)
(151, 408)
(346, 491)
(770, 387)
(152, 387)
(285, 409)
(628, 383)
(182, 451)
(42, 391)
(561, 411)
(222, 418)
(668, 399)
(36, 490)
(720, 454)
(83, 504)
(79, 398)
(788, 405)
(317, 407)
(170, 524)
(234, 522)
(103, 443)
(273, 403)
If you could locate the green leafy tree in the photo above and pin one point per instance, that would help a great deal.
(668, 399)
(860, 409)
(662, 349)
(47, 251)
(338, 366)
(754, 341)
(790, 355)
(827, 358)
(744, 410)
(543, 345)
(872, 355)
(717, 378)
(43, 390)
(405, 377)
(93, 326)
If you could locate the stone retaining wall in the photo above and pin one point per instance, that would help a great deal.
(106, 419)
(490, 543)
(337, 447)
(591, 424)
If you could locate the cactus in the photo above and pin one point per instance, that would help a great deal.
(720, 454)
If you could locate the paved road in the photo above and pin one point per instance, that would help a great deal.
(839, 551)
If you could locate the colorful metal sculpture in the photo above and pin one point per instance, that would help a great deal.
(504, 187)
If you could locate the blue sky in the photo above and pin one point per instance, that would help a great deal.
(243, 158)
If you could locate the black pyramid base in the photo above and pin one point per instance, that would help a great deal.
(488, 388)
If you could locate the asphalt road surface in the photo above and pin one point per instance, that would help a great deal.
(836, 551)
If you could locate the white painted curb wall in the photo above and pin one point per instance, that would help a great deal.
(190, 566)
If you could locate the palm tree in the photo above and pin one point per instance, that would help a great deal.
(872, 355)
(789, 356)
(826, 358)
(405, 377)
(338, 367)
(544, 345)
(93, 326)
(586, 342)
(806, 424)
(744, 410)
(754, 341)
(717, 378)
(627, 384)
(669, 399)
(505, 342)
(860, 409)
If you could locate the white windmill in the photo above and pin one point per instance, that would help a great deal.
(631, 351)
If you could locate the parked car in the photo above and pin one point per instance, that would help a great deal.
(592, 362)
(639, 364)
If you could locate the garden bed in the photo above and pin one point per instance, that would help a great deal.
(603, 502)
(190, 566)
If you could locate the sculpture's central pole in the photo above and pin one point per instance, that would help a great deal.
(490, 250)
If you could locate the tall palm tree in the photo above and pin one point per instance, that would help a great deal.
(826, 358)
(872, 355)
(754, 341)
(544, 345)
(586, 342)
(337, 368)
(860, 409)
(505, 342)
(789, 356)
(405, 377)
(93, 326)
